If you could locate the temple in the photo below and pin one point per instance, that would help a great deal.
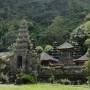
(64, 61)
(24, 57)
(69, 54)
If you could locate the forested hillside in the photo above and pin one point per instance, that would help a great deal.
(49, 19)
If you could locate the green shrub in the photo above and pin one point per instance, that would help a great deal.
(4, 78)
(87, 70)
(26, 79)
(48, 48)
(52, 79)
(65, 81)
(29, 78)
(39, 49)
(88, 79)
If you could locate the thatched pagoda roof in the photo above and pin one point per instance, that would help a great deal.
(45, 57)
(65, 45)
(85, 57)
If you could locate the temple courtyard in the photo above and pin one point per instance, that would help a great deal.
(44, 87)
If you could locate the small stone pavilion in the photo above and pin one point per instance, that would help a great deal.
(25, 57)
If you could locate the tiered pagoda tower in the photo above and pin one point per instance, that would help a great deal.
(25, 57)
(66, 53)
(55, 52)
(77, 51)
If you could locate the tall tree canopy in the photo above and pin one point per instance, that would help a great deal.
(45, 15)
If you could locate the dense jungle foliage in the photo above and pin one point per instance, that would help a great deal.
(49, 20)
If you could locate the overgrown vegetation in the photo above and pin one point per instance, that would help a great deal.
(49, 20)
(87, 69)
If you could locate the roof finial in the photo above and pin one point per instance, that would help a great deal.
(24, 23)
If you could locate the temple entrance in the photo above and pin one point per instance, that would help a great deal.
(19, 61)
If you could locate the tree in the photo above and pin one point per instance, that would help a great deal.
(39, 49)
(8, 32)
(87, 18)
(87, 42)
(87, 69)
(57, 31)
(79, 35)
(9, 38)
(42, 12)
(48, 49)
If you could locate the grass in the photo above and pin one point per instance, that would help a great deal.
(43, 87)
